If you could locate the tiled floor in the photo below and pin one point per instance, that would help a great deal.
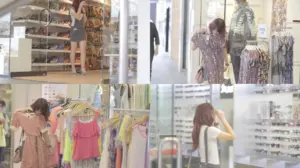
(164, 71)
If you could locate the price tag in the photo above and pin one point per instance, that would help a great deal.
(262, 31)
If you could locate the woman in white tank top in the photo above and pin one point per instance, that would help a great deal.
(204, 120)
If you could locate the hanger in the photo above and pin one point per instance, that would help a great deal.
(141, 121)
(113, 121)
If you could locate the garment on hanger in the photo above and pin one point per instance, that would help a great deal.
(104, 162)
(136, 155)
(255, 65)
(282, 58)
(85, 136)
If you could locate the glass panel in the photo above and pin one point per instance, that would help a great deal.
(112, 51)
(5, 94)
(161, 120)
(133, 40)
(5, 48)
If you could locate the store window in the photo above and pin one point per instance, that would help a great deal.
(268, 21)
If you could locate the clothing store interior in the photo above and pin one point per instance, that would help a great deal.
(36, 42)
(264, 118)
(270, 39)
(88, 126)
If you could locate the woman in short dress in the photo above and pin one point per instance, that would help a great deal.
(78, 34)
(37, 151)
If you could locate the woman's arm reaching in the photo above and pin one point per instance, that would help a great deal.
(229, 134)
(78, 15)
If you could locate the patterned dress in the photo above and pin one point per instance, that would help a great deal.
(36, 153)
(212, 48)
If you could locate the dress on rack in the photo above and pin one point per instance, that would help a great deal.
(254, 68)
(136, 155)
(85, 137)
(36, 153)
(282, 59)
(70, 123)
(212, 48)
(104, 162)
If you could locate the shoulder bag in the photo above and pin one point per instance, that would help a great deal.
(206, 164)
(17, 158)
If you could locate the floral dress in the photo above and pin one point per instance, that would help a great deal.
(212, 48)
(36, 153)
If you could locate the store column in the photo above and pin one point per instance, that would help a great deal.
(123, 60)
(143, 60)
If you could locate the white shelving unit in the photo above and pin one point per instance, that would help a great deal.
(267, 126)
(186, 99)
(132, 44)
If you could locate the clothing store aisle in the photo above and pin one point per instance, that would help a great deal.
(93, 77)
(164, 71)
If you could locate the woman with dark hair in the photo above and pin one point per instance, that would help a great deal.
(205, 120)
(78, 34)
(212, 44)
(37, 150)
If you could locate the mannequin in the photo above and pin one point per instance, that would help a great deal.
(242, 29)
(154, 37)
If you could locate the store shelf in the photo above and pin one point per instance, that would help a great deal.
(38, 23)
(47, 37)
(38, 8)
(52, 51)
(117, 55)
(53, 64)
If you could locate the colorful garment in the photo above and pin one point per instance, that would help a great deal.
(36, 152)
(282, 59)
(212, 47)
(3, 130)
(112, 149)
(86, 139)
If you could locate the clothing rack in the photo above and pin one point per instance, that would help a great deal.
(136, 112)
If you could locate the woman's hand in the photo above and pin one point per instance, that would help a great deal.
(82, 4)
(83, 10)
(220, 114)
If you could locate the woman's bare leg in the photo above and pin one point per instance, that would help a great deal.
(72, 55)
(82, 55)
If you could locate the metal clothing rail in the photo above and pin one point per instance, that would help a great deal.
(131, 110)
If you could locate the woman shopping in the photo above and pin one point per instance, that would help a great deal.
(205, 135)
(78, 34)
(37, 151)
(212, 44)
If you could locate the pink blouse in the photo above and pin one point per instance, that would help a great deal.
(86, 137)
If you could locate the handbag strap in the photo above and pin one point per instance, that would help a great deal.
(21, 137)
(206, 145)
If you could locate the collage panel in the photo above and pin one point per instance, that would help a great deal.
(73, 125)
(248, 126)
(74, 41)
(225, 42)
